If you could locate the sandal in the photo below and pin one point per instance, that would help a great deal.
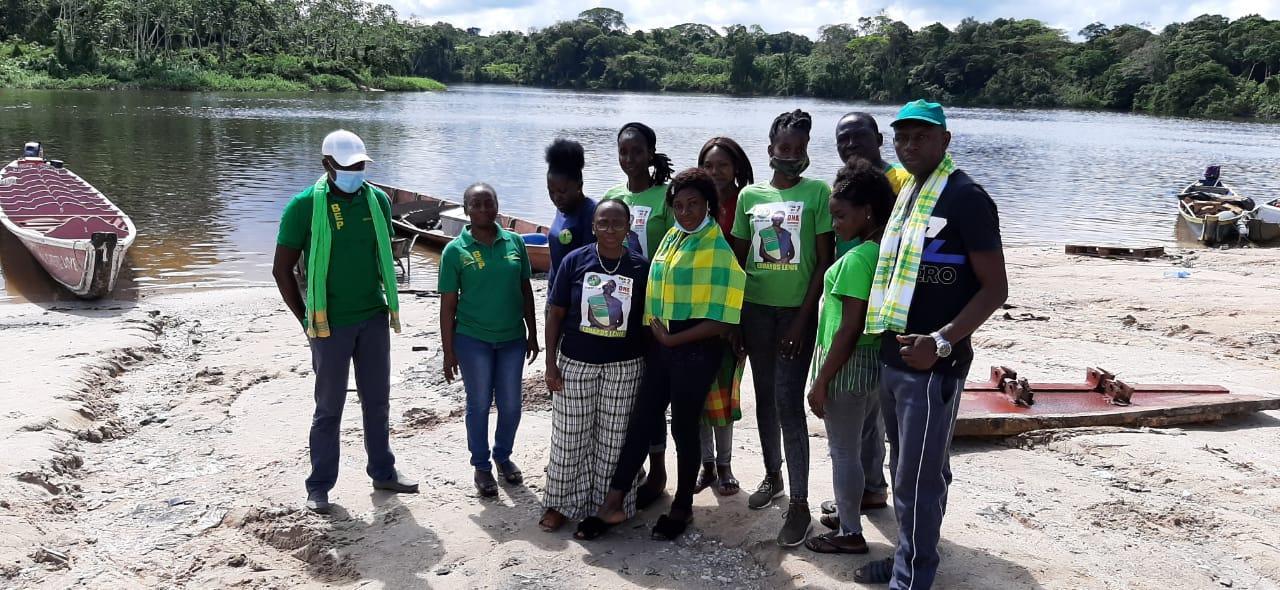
(830, 543)
(831, 521)
(592, 527)
(706, 479)
(729, 487)
(510, 473)
(879, 571)
(829, 507)
(669, 529)
(551, 521)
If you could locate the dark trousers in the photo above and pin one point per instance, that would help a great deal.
(919, 416)
(367, 345)
(780, 382)
(680, 378)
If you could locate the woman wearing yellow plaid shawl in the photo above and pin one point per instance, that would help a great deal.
(694, 297)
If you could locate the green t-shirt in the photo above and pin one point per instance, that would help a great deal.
(354, 283)
(650, 218)
(488, 282)
(850, 276)
(782, 227)
(897, 176)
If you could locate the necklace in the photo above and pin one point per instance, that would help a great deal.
(612, 271)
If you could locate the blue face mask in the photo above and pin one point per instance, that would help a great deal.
(348, 181)
(705, 222)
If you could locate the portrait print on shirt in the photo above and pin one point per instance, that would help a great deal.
(606, 304)
(637, 235)
(775, 244)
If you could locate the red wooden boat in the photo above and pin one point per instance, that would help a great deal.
(72, 230)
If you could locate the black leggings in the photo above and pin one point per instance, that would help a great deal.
(680, 377)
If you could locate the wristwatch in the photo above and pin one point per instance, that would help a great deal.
(944, 347)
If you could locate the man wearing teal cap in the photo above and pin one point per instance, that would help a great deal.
(940, 275)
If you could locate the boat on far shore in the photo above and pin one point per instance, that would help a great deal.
(438, 221)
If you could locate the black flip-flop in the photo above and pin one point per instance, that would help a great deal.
(829, 507)
(729, 487)
(706, 479)
(826, 544)
(669, 529)
(592, 527)
(879, 571)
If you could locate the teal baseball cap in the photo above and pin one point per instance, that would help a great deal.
(921, 110)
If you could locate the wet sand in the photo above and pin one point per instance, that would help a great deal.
(161, 442)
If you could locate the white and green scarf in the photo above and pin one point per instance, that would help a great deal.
(318, 258)
(900, 252)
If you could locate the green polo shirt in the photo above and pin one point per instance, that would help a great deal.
(488, 282)
(355, 283)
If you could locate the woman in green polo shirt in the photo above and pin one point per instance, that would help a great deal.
(846, 365)
(487, 330)
(784, 243)
(645, 192)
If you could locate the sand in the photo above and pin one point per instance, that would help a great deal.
(162, 443)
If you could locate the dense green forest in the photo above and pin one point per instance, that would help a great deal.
(1210, 66)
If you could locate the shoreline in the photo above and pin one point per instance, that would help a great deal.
(162, 442)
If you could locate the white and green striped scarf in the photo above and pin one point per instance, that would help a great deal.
(900, 251)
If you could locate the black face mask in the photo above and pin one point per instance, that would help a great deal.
(791, 168)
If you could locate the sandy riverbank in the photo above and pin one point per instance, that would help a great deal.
(162, 443)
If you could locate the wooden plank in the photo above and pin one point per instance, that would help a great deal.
(989, 414)
(1116, 252)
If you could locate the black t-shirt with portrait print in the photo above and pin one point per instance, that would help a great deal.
(964, 221)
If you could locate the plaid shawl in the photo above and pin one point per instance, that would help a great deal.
(317, 298)
(895, 281)
(724, 402)
(695, 276)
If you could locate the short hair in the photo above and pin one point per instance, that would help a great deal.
(661, 162)
(565, 157)
(863, 116)
(699, 180)
(477, 187)
(742, 173)
(797, 120)
(860, 183)
(619, 202)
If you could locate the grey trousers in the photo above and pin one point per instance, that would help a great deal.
(717, 444)
(780, 383)
(847, 416)
(368, 346)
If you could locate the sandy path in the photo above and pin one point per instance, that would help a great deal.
(201, 404)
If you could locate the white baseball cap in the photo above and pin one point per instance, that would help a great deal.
(346, 148)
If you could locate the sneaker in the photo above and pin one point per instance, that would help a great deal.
(795, 528)
(769, 489)
(399, 484)
(318, 502)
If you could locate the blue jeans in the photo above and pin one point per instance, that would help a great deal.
(491, 372)
(368, 345)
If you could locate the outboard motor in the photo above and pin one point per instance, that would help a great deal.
(31, 150)
(1212, 175)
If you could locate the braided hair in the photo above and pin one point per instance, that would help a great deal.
(566, 158)
(661, 162)
(699, 180)
(797, 120)
(742, 173)
(861, 184)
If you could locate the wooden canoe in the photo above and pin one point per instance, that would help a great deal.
(414, 213)
(1215, 214)
(72, 229)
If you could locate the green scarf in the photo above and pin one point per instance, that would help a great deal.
(900, 251)
(695, 276)
(318, 258)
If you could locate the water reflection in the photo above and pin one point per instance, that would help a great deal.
(205, 176)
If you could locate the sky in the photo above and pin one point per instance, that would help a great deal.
(805, 17)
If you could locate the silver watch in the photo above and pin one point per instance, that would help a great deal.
(944, 347)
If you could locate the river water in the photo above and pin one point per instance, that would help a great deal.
(205, 176)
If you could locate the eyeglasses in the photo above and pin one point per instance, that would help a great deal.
(617, 226)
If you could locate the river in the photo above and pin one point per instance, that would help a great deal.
(205, 176)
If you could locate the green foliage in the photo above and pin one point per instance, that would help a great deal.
(1210, 65)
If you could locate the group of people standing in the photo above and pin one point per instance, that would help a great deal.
(855, 299)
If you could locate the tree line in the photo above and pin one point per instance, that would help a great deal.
(1209, 66)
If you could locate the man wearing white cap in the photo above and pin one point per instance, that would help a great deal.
(343, 226)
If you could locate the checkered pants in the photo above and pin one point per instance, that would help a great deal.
(588, 426)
